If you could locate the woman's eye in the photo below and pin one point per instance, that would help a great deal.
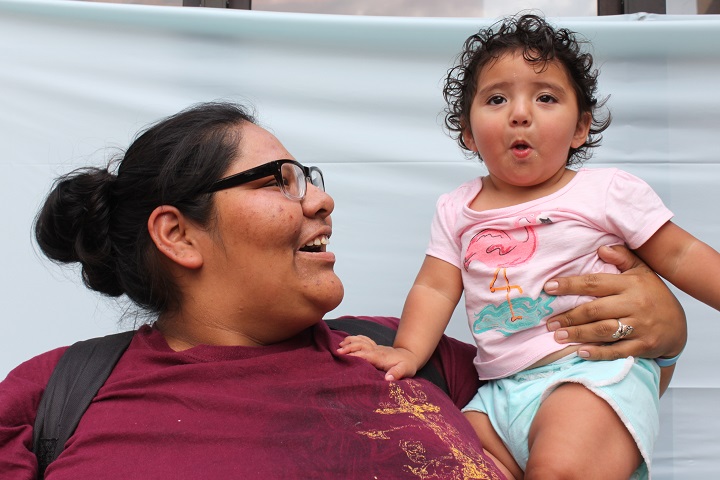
(270, 183)
(496, 100)
(546, 99)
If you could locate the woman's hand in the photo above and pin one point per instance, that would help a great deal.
(637, 297)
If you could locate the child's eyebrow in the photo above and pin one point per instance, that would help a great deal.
(493, 87)
(539, 85)
(554, 87)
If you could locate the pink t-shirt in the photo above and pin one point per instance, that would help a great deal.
(506, 255)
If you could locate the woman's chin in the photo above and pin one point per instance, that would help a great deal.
(327, 294)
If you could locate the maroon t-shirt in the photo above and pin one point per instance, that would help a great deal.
(295, 409)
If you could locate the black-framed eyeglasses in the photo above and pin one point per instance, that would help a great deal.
(291, 177)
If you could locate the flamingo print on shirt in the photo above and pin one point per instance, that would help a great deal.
(501, 250)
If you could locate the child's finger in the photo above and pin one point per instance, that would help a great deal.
(395, 373)
(399, 371)
(358, 340)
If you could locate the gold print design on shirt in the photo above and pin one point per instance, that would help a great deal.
(461, 462)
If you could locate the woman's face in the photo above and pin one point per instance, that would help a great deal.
(258, 261)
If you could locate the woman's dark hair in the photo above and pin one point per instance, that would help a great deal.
(99, 219)
(539, 43)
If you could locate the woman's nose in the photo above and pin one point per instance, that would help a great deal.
(317, 202)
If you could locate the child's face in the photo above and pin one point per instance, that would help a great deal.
(523, 121)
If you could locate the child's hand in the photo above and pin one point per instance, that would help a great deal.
(396, 362)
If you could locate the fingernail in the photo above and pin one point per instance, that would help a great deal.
(583, 354)
(561, 335)
(552, 326)
(551, 286)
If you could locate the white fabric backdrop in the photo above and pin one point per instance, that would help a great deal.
(360, 97)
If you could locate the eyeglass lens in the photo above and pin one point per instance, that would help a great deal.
(316, 178)
(294, 183)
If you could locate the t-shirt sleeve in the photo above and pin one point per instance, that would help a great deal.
(639, 211)
(444, 244)
(20, 395)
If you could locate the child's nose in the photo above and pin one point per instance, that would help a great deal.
(520, 115)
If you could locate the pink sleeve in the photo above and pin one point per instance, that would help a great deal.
(634, 211)
(444, 244)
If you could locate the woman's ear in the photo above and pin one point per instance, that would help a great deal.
(582, 129)
(174, 236)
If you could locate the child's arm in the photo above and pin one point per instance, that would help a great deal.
(685, 261)
(427, 311)
(428, 308)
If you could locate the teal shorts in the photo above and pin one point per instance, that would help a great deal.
(629, 385)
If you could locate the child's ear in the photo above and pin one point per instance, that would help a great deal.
(582, 129)
(468, 139)
(174, 236)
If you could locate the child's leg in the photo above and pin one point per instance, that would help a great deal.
(493, 445)
(576, 434)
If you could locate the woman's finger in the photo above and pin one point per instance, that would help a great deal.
(637, 297)
(598, 332)
(613, 351)
(605, 284)
(604, 308)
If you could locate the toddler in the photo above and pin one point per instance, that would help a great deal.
(522, 97)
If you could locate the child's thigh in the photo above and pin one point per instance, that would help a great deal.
(577, 434)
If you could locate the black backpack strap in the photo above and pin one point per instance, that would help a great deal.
(384, 335)
(78, 376)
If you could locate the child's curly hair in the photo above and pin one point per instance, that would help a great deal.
(539, 43)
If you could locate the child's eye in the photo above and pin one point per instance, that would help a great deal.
(496, 100)
(546, 99)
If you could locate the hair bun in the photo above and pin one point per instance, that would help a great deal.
(74, 226)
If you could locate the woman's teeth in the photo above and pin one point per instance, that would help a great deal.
(322, 240)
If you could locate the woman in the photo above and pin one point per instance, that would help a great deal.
(213, 229)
